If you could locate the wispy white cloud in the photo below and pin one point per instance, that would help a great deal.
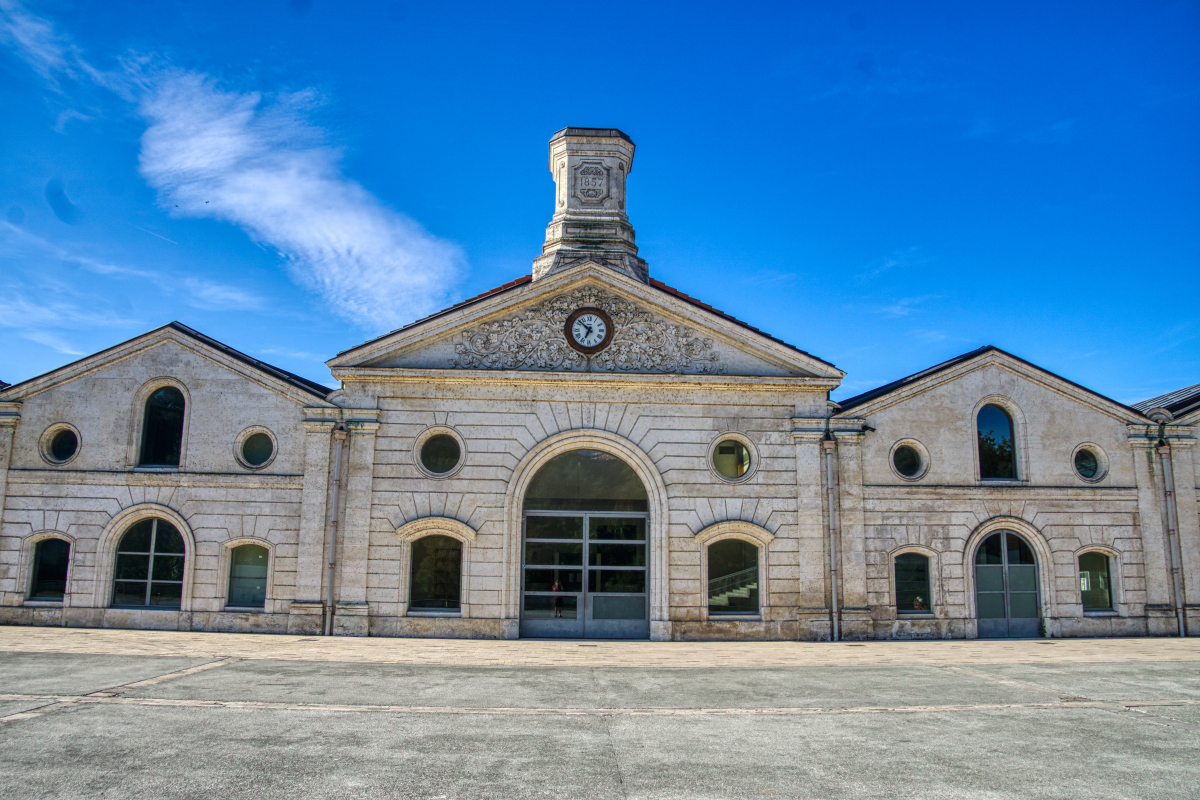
(261, 163)
(897, 259)
(905, 305)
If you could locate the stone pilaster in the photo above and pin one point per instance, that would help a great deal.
(10, 417)
(354, 537)
(1160, 615)
(855, 613)
(310, 553)
(811, 532)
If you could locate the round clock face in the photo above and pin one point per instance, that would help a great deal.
(589, 330)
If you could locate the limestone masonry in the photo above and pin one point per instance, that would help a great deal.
(587, 452)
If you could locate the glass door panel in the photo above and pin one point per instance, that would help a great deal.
(601, 592)
(1006, 588)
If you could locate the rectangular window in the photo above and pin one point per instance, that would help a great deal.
(1094, 584)
(912, 584)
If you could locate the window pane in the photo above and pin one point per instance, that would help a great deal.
(586, 480)
(907, 461)
(912, 583)
(1087, 463)
(732, 577)
(989, 578)
(1094, 583)
(129, 593)
(617, 528)
(440, 453)
(997, 454)
(616, 581)
(617, 555)
(166, 594)
(137, 538)
(1023, 605)
(553, 580)
(732, 459)
(248, 576)
(167, 539)
(549, 607)
(618, 608)
(167, 568)
(991, 605)
(554, 554)
(50, 561)
(257, 449)
(1022, 579)
(64, 444)
(162, 428)
(554, 527)
(1019, 552)
(991, 551)
(132, 567)
(436, 573)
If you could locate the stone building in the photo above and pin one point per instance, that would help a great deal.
(587, 452)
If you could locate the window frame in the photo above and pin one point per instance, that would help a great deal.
(47, 439)
(225, 568)
(429, 433)
(29, 553)
(240, 441)
(434, 526)
(752, 534)
(1101, 462)
(1017, 418)
(1114, 581)
(922, 451)
(110, 540)
(149, 581)
(137, 420)
(935, 585)
(742, 439)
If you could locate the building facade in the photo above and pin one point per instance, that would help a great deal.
(587, 452)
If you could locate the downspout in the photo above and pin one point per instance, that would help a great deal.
(830, 445)
(1163, 449)
(339, 436)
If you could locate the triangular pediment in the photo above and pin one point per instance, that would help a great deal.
(521, 327)
(1004, 369)
(294, 387)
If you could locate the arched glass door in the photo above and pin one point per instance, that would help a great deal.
(584, 553)
(1006, 587)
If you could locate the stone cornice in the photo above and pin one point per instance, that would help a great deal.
(610, 380)
(889, 491)
(10, 414)
(228, 480)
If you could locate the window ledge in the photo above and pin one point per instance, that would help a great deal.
(719, 617)
(915, 615)
(43, 604)
(156, 469)
(243, 609)
(1108, 612)
(448, 614)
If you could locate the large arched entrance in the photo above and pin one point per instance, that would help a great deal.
(1006, 587)
(584, 549)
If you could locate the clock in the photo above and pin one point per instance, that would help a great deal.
(588, 330)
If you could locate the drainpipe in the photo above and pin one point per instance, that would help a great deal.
(829, 444)
(1163, 448)
(339, 437)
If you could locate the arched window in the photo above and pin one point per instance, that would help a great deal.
(50, 561)
(162, 429)
(436, 574)
(149, 569)
(1094, 582)
(248, 576)
(586, 480)
(912, 584)
(997, 447)
(732, 577)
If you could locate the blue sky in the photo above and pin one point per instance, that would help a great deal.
(885, 185)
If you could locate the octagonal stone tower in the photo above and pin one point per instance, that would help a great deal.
(590, 167)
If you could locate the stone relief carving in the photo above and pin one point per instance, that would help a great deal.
(591, 182)
(535, 340)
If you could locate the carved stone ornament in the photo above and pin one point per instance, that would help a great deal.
(591, 182)
(535, 340)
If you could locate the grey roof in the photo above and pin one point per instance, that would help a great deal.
(304, 384)
(888, 388)
(1179, 402)
(591, 132)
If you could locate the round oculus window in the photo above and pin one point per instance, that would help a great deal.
(63, 445)
(1087, 464)
(257, 449)
(731, 459)
(907, 460)
(440, 453)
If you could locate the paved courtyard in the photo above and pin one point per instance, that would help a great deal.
(105, 713)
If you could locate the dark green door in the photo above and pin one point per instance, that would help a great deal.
(1006, 587)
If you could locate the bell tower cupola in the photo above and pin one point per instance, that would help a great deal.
(590, 168)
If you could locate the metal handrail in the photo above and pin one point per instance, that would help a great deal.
(731, 581)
